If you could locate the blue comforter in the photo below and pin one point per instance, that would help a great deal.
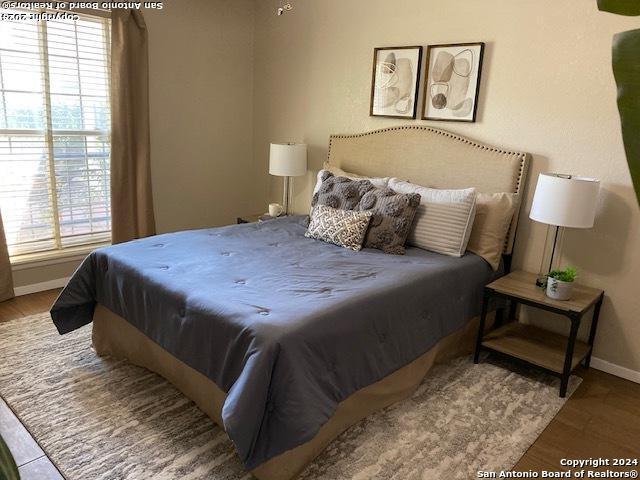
(286, 325)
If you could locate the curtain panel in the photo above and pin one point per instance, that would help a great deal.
(6, 281)
(131, 195)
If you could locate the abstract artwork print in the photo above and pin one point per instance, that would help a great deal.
(394, 84)
(452, 82)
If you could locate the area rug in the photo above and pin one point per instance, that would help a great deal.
(106, 419)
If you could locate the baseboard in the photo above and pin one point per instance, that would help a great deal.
(41, 287)
(616, 370)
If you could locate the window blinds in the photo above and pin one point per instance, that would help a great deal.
(54, 133)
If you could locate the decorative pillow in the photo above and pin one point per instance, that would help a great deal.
(340, 192)
(378, 182)
(345, 228)
(493, 217)
(391, 221)
(444, 218)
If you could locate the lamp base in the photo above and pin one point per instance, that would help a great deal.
(551, 254)
(287, 194)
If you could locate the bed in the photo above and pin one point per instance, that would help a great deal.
(286, 341)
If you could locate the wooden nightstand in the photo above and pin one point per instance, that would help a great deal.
(554, 353)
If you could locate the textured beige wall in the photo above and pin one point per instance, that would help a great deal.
(201, 88)
(201, 95)
(546, 89)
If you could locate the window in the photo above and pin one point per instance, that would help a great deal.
(54, 133)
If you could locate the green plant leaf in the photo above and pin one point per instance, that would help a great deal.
(569, 274)
(621, 7)
(8, 468)
(626, 70)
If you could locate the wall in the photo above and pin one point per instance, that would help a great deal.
(201, 88)
(547, 89)
(31, 275)
(201, 96)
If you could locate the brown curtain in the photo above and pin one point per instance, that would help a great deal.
(131, 199)
(6, 281)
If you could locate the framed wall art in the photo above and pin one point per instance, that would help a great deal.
(452, 82)
(395, 82)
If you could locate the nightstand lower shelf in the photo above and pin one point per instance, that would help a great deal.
(534, 345)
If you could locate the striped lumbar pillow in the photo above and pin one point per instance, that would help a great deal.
(444, 218)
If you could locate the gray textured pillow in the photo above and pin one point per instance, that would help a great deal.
(391, 220)
(378, 182)
(340, 192)
(345, 228)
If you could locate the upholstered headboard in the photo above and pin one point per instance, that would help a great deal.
(433, 158)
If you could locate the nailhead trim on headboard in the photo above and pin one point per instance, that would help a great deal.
(523, 157)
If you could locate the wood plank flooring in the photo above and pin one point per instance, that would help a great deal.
(601, 419)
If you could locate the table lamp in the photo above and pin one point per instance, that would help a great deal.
(562, 201)
(287, 160)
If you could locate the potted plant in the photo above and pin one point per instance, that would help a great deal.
(560, 283)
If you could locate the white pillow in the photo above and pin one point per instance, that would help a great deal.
(443, 220)
(379, 182)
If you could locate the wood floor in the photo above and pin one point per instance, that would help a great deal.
(601, 419)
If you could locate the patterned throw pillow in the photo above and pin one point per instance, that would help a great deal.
(345, 228)
(340, 192)
(391, 220)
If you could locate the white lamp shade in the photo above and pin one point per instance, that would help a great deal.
(565, 200)
(288, 159)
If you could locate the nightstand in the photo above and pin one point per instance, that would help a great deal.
(259, 217)
(557, 354)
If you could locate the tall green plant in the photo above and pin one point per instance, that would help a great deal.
(8, 468)
(626, 70)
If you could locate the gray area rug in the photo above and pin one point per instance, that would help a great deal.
(107, 419)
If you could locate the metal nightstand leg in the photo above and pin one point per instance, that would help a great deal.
(592, 332)
(483, 319)
(568, 359)
(513, 305)
(499, 320)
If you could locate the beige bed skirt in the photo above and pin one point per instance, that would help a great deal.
(113, 336)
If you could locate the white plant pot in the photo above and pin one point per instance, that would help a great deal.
(559, 290)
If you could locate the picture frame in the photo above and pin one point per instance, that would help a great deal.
(452, 82)
(395, 82)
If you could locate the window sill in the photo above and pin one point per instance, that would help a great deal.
(41, 259)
